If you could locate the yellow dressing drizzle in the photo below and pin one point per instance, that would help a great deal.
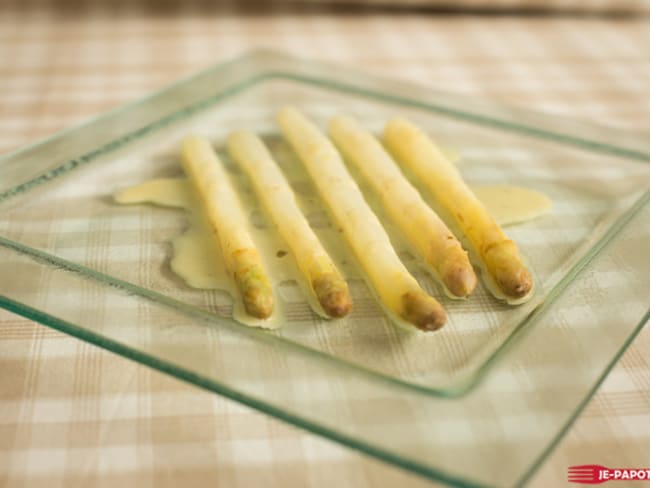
(512, 204)
(197, 260)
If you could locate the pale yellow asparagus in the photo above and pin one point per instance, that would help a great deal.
(421, 226)
(278, 198)
(499, 255)
(397, 290)
(227, 218)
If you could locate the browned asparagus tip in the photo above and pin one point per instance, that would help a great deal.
(515, 284)
(423, 311)
(254, 286)
(257, 302)
(510, 275)
(460, 280)
(333, 295)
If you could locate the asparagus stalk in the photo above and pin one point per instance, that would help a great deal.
(276, 195)
(397, 290)
(223, 209)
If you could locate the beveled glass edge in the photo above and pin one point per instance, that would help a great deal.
(581, 406)
(456, 387)
(86, 158)
(478, 118)
(557, 290)
(140, 101)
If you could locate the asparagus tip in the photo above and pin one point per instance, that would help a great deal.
(333, 295)
(423, 311)
(460, 280)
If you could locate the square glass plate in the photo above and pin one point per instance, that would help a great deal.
(497, 383)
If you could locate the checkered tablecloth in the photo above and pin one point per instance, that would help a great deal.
(72, 414)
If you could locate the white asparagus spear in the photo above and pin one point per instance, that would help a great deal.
(508, 276)
(224, 211)
(397, 290)
(429, 235)
(278, 198)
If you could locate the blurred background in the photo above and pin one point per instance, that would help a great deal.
(64, 61)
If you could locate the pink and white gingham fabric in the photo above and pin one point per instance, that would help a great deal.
(74, 415)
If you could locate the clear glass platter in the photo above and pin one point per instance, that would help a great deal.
(479, 403)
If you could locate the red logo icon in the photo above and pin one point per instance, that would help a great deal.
(593, 474)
